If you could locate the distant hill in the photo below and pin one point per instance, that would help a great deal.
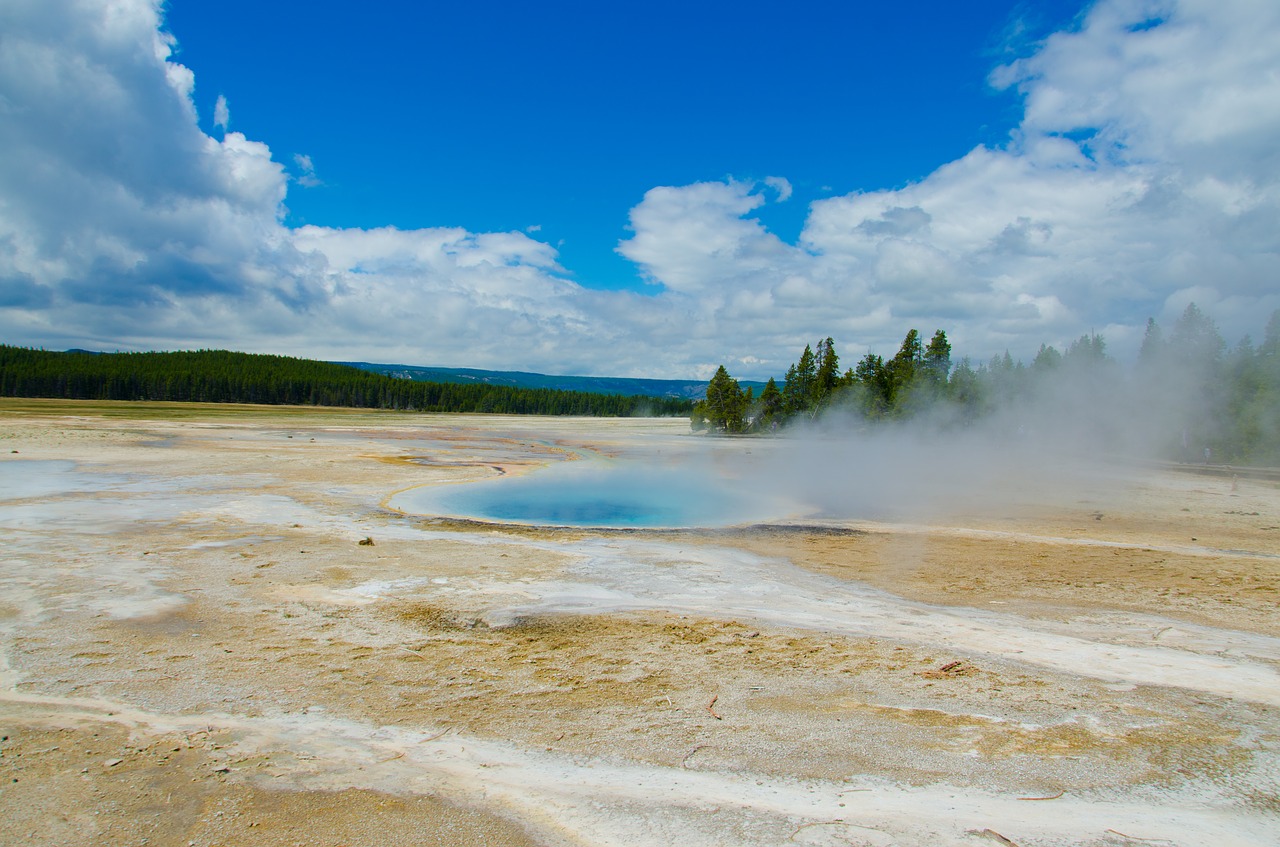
(221, 376)
(685, 389)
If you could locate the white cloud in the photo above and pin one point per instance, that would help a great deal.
(134, 229)
(696, 237)
(1144, 174)
(221, 113)
(307, 171)
(780, 185)
(1146, 167)
(1200, 85)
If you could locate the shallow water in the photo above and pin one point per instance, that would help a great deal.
(22, 479)
(623, 496)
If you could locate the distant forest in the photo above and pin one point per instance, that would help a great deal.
(219, 376)
(1186, 398)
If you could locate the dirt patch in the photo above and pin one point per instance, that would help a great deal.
(202, 651)
(104, 785)
(1048, 575)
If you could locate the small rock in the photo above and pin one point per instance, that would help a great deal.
(111, 763)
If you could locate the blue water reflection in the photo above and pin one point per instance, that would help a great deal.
(614, 496)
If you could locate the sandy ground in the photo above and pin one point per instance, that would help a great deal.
(197, 649)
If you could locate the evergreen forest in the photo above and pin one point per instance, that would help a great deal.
(1186, 398)
(219, 376)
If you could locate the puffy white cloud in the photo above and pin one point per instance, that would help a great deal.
(694, 238)
(1144, 175)
(1191, 83)
(110, 193)
(123, 225)
(222, 113)
(781, 185)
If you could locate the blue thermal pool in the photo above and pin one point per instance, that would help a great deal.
(597, 497)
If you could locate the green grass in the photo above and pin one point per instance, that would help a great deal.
(160, 410)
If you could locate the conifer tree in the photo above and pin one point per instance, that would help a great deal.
(725, 406)
(875, 386)
(797, 392)
(827, 375)
(1271, 339)
(770, 412)
(903, 366)
(1047, 359)
(937, 359)
(1195, 342)
(1153, 345)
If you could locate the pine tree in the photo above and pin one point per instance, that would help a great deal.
(1195, 342)
(937, 359)
(1153, 345)
(797, 392)
(875, 386)
(903, 366)
(770, 413)
(1271, 339)
(827, 375)
(725, 404)
(1047, 359)
(1086, 350)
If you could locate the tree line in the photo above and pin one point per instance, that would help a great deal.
(220, 376)
(1187, 396)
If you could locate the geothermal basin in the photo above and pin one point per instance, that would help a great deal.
(603, 495)
(270, 627)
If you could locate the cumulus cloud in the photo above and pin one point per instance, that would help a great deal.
(1144, 174)
(781, 185)
(1191, 83)
(221, 113)
(124, 226)
(1145, 169)
(697, 237)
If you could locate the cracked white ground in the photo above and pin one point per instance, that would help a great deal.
(195, 647)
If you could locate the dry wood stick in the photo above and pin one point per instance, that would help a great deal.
(1134, 837)
(1050, 797)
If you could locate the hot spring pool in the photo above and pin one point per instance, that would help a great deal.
(597, 497)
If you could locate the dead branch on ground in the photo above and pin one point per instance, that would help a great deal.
(1050, 797)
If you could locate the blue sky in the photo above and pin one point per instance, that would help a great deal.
(502, 116)
(599, 189)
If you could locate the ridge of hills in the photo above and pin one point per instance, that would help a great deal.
(686, 389)
(223, 376)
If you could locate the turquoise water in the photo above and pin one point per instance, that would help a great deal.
(21, 479)
(599, 497)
